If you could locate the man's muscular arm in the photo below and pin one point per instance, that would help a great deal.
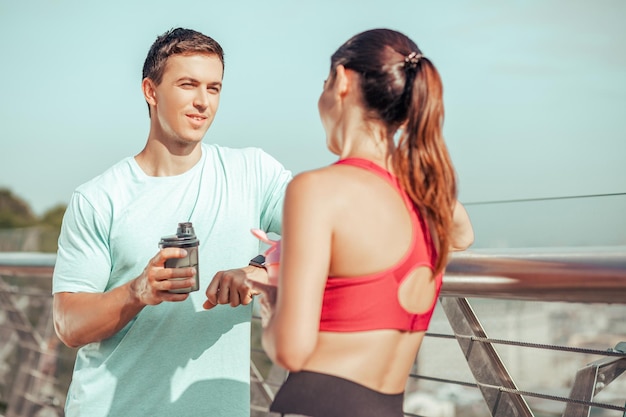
(82, 318)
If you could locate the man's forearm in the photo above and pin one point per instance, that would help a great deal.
(82, 318)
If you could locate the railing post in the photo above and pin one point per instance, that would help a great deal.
(488, 370)
(589, 381)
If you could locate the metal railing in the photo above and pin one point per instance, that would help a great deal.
(583, 275)
(573, 275)
(593, 275)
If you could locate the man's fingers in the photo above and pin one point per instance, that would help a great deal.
(229, 287)
(212, 291)
(245, 293)
(167, 296)
(167, 253)
(223, 295)
(208, 305)
(175, 284)
(165, 277)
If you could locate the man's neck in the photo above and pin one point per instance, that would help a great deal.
(158, 160)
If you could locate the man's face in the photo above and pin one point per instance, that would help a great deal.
(186, 100)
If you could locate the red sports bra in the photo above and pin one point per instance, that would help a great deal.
(370, 302)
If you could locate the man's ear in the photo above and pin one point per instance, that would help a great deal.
(149, 91)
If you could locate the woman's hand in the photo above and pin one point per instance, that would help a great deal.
(266, 298)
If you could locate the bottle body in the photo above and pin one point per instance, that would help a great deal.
(184, 238)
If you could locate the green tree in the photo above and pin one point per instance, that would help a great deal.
(14, 212)
(54, 216)
(50, 224)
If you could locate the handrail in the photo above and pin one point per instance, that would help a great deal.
(585, 274)
(31, 264)
(572, 274)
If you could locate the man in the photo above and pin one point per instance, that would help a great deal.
(145, 351)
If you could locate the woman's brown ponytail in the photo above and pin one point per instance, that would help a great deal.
(421, 159)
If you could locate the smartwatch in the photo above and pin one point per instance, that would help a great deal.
(258, 261)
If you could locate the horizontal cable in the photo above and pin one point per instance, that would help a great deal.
(608, 352)
(520, 392)
(531, 345)
(526, 200)
(555, 398)
(444, 380)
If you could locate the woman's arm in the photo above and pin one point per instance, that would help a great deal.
(290, 334)
(462, 235)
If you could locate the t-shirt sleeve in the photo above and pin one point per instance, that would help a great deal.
(83, 261)
(275, 179)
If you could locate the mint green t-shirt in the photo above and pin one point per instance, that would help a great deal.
(172, 359)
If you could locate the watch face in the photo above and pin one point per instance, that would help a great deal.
(258, 260)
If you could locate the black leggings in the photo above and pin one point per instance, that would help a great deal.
(313, 394)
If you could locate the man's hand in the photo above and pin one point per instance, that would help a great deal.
(152, 286)
(232, 287)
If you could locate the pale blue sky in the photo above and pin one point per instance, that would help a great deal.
(535, 91)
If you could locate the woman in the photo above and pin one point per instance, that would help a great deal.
(365, 240)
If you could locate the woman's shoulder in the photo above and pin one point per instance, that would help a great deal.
(325, 189)
(321, 179)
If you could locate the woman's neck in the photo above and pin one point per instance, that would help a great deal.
(369, 141)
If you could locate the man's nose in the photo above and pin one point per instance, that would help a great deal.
(201, 99)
